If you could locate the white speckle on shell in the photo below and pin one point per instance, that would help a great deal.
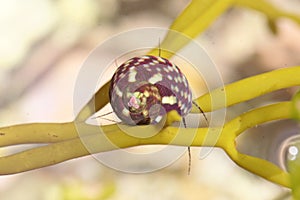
(131, 75)
(185, 110)
(182, 106)
(161, 60)
(190, 97)
(179, 103)
(185, 95)
(125, 112)
(155, 61)
(170, 68)
(118, 91)
(181, 93)
(172, 87)
(179, 79)
(175, 79)
(122, 75)
(175, 68)
(169, 100)
(125, 66)
(176, 89)
(155, 78)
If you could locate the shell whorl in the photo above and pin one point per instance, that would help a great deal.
(145, 88)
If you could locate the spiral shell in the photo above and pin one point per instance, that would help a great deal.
(145, 88)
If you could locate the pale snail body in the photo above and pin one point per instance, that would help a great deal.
(145, 88)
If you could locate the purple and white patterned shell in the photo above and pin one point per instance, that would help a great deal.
(145, 88)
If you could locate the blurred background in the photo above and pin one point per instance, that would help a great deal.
(43, 44)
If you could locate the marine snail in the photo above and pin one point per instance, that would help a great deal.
(143, 89)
